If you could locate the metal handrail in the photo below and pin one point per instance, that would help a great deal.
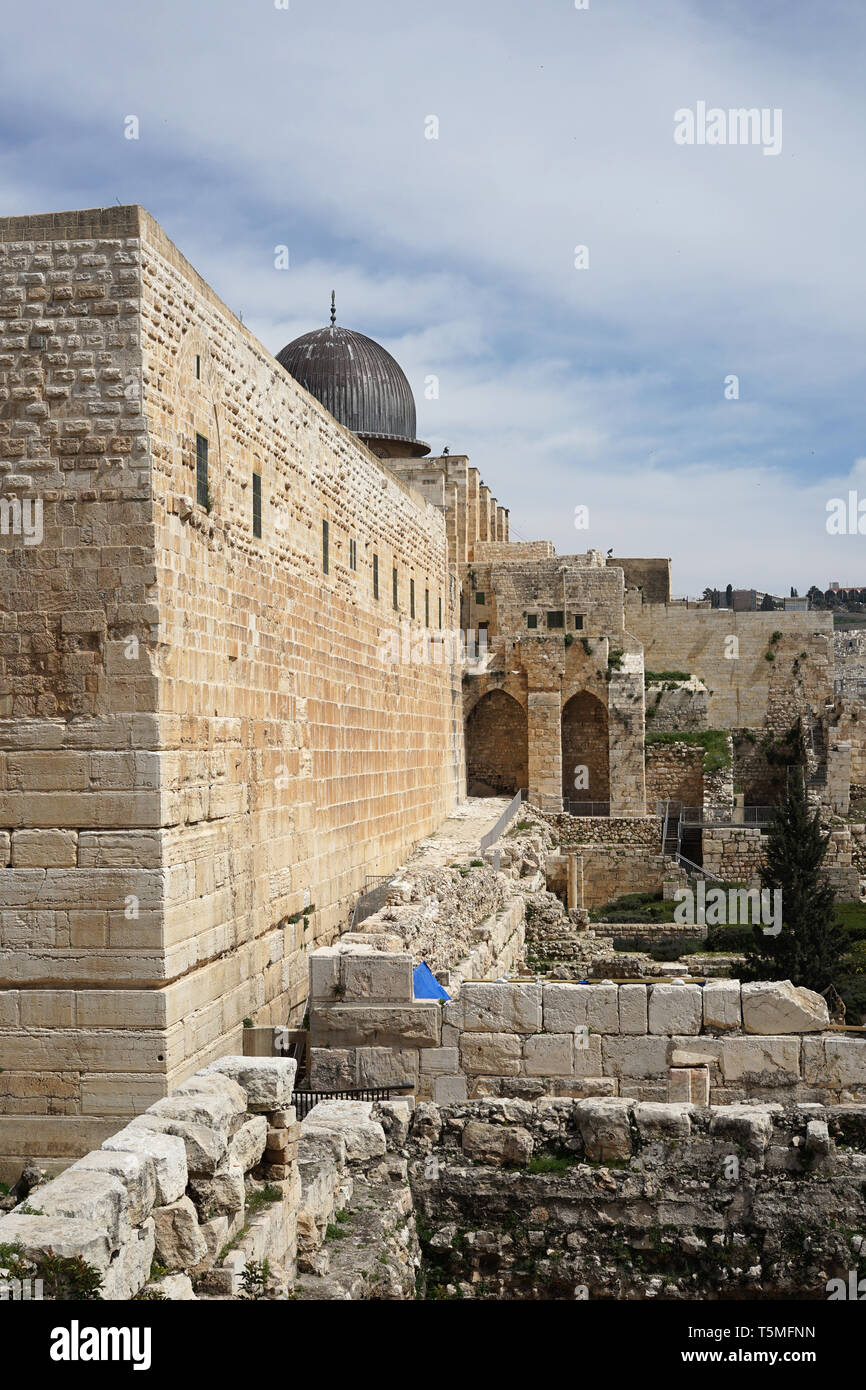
(507, 815)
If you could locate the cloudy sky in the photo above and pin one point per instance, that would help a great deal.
(307, 125)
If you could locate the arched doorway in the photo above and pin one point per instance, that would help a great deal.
(497, 748)
(585, 753)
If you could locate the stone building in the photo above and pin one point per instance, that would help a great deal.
(228, 691)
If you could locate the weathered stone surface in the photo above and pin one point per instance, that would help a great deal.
(232, 1097)
(220, 1195)
(675, 1009)
(449, 1090)
(633, 1009)
(836, 1061)
(748, 1125)
(376, 1025)
(777, 1006)
(248, 1144)
(569, 1007)
(388, 1066)
(84, 1194)
(167, 1153)
(490, 1054)
(689, 1084)
(135, 1170)
(130, 1270)
(267, 1082)
(721, 1000)
(176, 1287)
(198, 1108)
(635, 1058)
(660, 1121)
(353, 1121)
(442, 1060)
(501, 1008)
(588, 1060)
(549, 1054)
(761, 1061)
(496, 1144)
(605, 1127)
(61, 1234)
(205, 1148)
(179, 1242)
(376, 976)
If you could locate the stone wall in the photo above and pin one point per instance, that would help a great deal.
(523, 1038)
(674, 772)
(746, 690)
(618, 1199)
(206, 743)
(680, 707)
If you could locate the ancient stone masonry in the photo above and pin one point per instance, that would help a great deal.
(623, 1199)
(723, 1042)
(207, 746)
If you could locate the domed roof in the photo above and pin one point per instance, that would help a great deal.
(359, 383)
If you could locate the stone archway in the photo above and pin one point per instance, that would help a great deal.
(497, 746)
(585, 746)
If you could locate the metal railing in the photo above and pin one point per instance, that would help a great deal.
(507, 815)
(586, 808)
(371, 900)
(304, 1098)
(746, 816)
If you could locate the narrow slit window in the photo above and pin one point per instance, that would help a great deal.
(411, 598)
(578, 621)
(257, 505)
(440, 610)
(394, 588)
(353, 555)
(325, 547)
(202, 495)
(375, 576)
(426, 607)
(198, 368)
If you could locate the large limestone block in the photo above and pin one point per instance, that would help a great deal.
(490, 1054)
(449, 1090)
(83, 1194)
(777, 1006)
(588, 1059)
(657, 1120)
(633, 1009)
(760, 1061)
(65, 1236)
(166, 1152)
(750, 1126)
(836, 1061)
(376, 976)
(549, 1054)
(179, 1242)
(675, 1009)
(135, 1170)
(721, 1005)
(215, 1112)
(353, 1121)
(215, 1084)
(501, 1007)
(221, 1195)
(496, 1144)
(569, 1007)
(440, 1060)
(205, 1148)
(130, 1271)
(636, 1059)
(49, 849)
(376, 1025)
(605, 1127)
(388, 1066)
(268, 1082)
(247, 1146)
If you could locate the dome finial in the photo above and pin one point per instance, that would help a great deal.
(333, 308)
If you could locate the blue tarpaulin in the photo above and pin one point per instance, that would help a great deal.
(425, 984)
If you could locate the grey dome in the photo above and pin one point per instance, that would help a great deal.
(360, 384)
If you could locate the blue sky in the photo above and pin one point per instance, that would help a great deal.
(603, 387)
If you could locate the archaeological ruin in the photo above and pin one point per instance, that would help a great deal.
(288, 717)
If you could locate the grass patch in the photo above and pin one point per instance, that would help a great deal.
(262, 1198)
(665, 677)
(550, 1163)
(717, 753)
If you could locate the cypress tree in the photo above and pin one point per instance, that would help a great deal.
(811, 943)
